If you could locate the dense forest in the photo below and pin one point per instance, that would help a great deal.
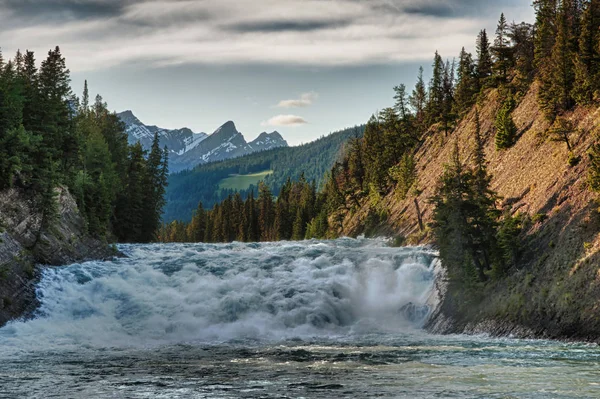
(312, 160)
(50, 138)
(477, 239)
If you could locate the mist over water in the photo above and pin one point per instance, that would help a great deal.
(316, 319)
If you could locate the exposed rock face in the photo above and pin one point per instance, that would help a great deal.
(23, 247)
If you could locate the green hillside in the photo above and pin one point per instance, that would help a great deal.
(210, 183)
(243, 182)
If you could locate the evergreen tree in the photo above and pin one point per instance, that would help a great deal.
(484, 59)
(561, 131)
(448, 105)
(402, 103)
(435, 105)
(466, 87)
(197, 228)
(418, 101)
(464, 223)
(506, 129)
(85, 100)
(131, 203)
(265, 212)
(56, 122)
(594, 169)
(502, 52)
(561, 61)
(155, 182)
(521, 36)
(545, 27)
(587, 59)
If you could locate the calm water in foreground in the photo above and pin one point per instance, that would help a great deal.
(285, 320)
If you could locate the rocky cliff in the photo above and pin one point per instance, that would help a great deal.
(24, 246)
(555, 290)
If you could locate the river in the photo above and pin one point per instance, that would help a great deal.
(314, 319)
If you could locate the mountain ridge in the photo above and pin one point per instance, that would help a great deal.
(188, 149)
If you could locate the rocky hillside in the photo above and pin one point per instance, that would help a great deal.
(24, 246)
(556, 290)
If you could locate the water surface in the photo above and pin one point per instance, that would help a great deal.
(333, 319)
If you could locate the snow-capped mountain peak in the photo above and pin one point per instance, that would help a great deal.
(188, 149)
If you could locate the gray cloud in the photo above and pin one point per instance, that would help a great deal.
(274, 26)
(63, 10)
(96, 34)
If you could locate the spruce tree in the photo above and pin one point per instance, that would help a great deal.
(266, 212)
(448, 105)
(418, 101)
(506, 130)
(502, 52)
(466, 86)
(484, 59)
(561, 62)
(521, 36)
(587, 59)
(435, 105)
(545, 27)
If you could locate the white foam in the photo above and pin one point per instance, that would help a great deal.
(169, 294)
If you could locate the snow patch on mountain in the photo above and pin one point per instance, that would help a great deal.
(188, 149)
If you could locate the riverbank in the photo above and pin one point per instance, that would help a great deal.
(554, 289)
(25, 246)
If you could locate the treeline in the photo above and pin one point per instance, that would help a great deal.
(297, 213)
(382, 161)
(49, 138)
(312, 160)
(478, 241)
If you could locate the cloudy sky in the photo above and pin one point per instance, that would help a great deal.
(302, 67)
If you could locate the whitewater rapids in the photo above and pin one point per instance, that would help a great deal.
(190, 293)
(313, 319)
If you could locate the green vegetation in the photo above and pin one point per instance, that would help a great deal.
(243, 182)
(51, 138)
(202, 184)
(297, 213)
(506, 130)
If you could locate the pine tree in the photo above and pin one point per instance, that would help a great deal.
(56, 122)
(435, 106)
(561, 131)
(402, 103)
(587, 59)
(466, 87)
(298, 227)
(502, 52)
(265, 212)
(506, 130)
(448, 117)
(18, 62)
(594, 169)
(484, 59)
(131, 204)
(418, 101)
(155, 181)
(521, 36)
(85, 100)
(545, 27)
(561, 61)
(464, 218)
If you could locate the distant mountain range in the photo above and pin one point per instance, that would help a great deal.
(188, 149)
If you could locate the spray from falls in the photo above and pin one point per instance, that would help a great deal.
(184, 293)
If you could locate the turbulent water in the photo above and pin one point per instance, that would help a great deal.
(334, 319)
